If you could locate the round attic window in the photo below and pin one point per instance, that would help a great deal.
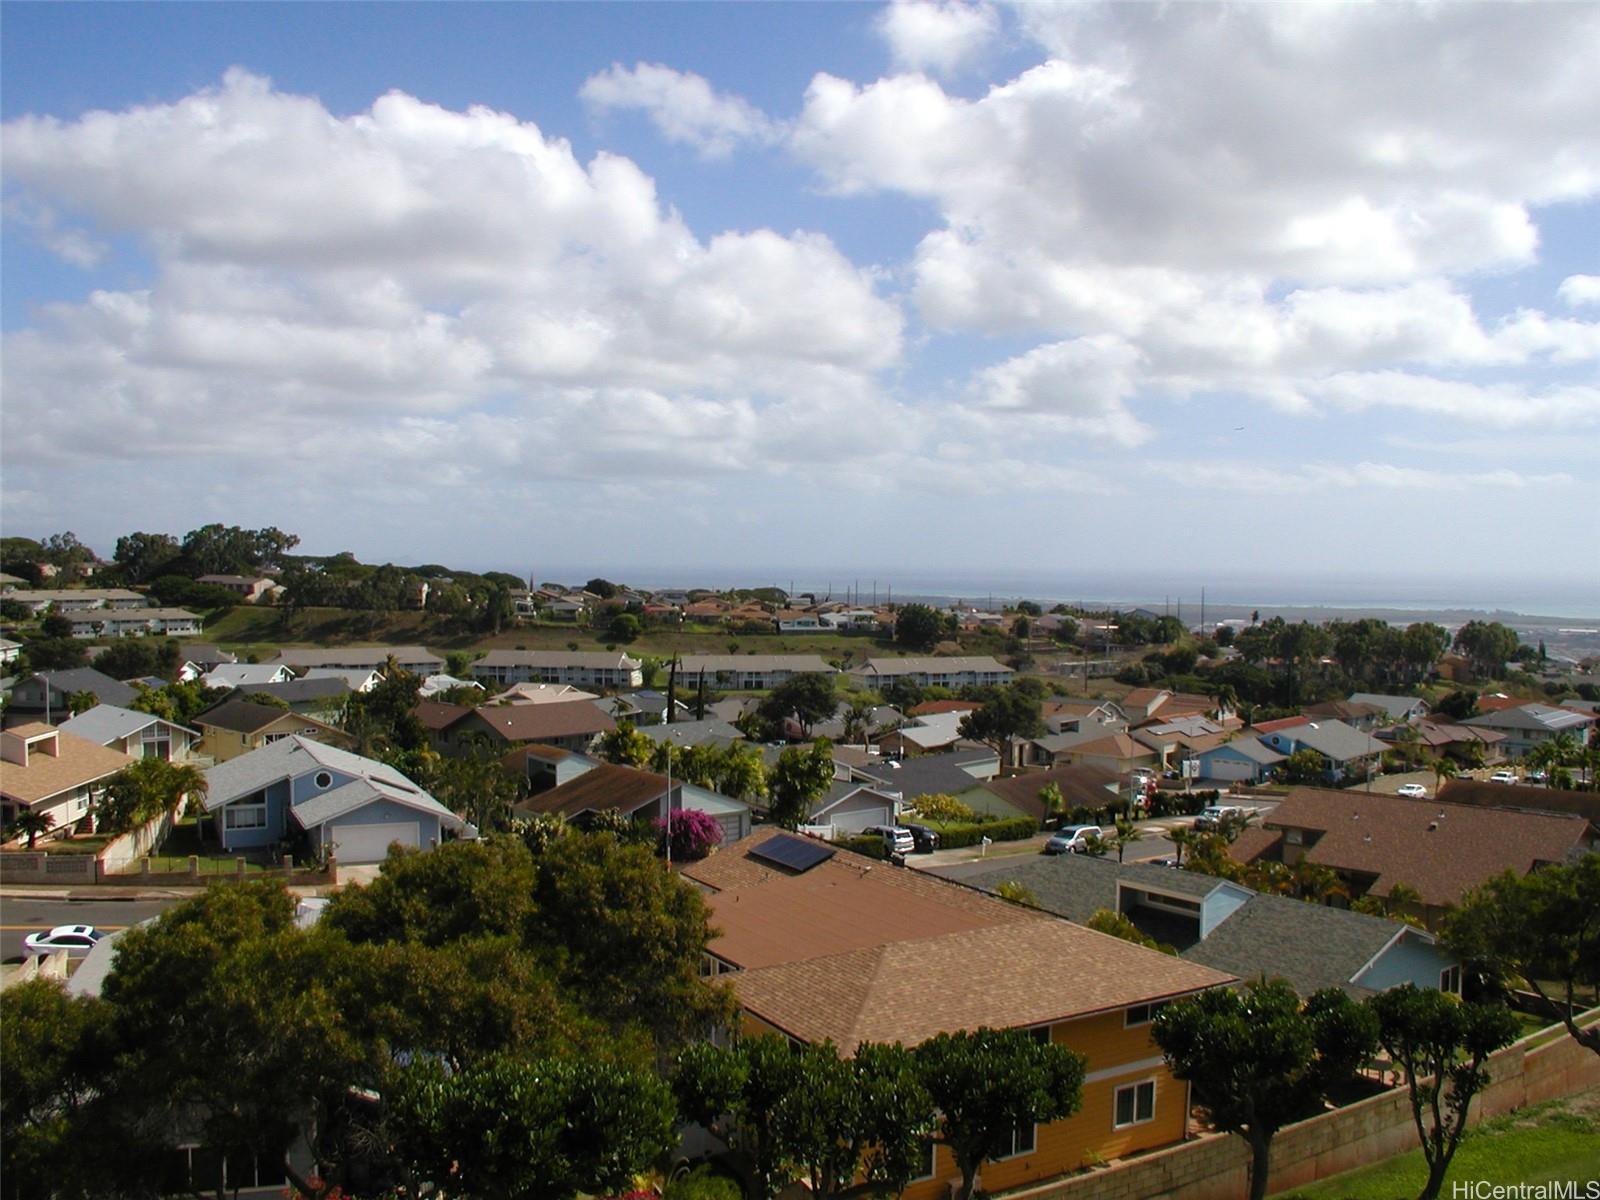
(323, 779)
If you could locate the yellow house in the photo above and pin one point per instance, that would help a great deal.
(853, 950)
(237, 727)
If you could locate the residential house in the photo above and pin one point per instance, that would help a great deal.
(1357, 714)
(434, 684)
(1239, 760)
(849, 806)
(415, 659)
(1441, 735)
(246, 675)
(954, 672)
(1146, 704)
(60, 774)
(571, 724)
(1377, 842)
(847, 950)
(198, 658)
(237, 726)
(249, 588)
(582, 668)
(790, 621)
(327, 694)
(749, 672)
(852, 620)
(1397, 708)
(1116, 752)
(67, 601)
(1180, 738)
(348, 807)
(1528, 725)
(1233, 928)
(134, 622)
(876, 721)
(1349, 754)
(9, 651)
(542, 693)
(962, 773)
(1082, 786)
(709, 732)
(136, 734)
(355, 679)
(49, 692)
(544, 767)
(587, 786)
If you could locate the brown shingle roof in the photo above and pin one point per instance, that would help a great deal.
(1080, 784)
(436, 714)
(1535, 799)
(78, 761)
(1408, 841)
(1028, 972)
(536, 722)
(942, 706)
(605, 786)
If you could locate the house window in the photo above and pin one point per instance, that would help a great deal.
(1135, 1104)
(1450, 980)
(156, 742)
(268, 738)
(323, 779)
(245, 816)
(1023, 1140)
(1142, 1014)
(1040, 1034)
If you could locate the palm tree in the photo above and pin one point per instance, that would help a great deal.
(1127, 833)
(1314, 883)
(33, 823)
(1183, 838)
(144, 790)
(1443, 768)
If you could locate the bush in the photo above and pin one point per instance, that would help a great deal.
(940, 806)
(702, 1183)
(870, 845)
(694, 834)
(953, 835)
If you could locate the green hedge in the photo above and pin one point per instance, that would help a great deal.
(1011, 829)
(869, 844)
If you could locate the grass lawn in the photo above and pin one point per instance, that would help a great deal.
(87, 844)
(1546, 1143)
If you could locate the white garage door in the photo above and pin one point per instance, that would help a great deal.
(370, 843)
(1228, 768)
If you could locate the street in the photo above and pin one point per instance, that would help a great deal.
(22, 915)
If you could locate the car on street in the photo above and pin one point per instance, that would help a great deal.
(76, 940)
(1412, 791)
(1071, 839)
(1216, 816)
(1503, 777)
(1536, 777)
(926, 840)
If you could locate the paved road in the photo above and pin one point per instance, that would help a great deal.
(20, 916)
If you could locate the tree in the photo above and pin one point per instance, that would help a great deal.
(1543, 928)
(1443, 769)
(1054, 802)
(144, 790)
(129, 658)
(55, 654)
(1126, 834)
(940, 806)
(143, 555)
(740, 772)
(602, 588)
(1487, 645)
(1007, 713)
(508, 1127)
(798, 780)
(626, 745)
(918, 627)
(55, 1049)
(1440, 1044)
(32, 822)
(624, 627)
(858, 721)
(987, 1084)
(1117, 925)
(807, 697)
(475, 787)
(1304, 766)
(1259, 1060)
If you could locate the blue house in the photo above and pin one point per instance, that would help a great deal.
(350, 807)
(1242, 760)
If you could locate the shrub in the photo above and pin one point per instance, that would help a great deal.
(953, 835)
(702, 1183)
(870, 845)
(940, 806)
(693, 835)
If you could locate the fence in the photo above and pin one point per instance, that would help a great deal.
(122, 850)
(40, 867)
(1217, 1166)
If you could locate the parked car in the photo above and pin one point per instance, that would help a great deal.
(897, 839)
(1071, 839)
(76, 940)
(1216, 816)
(1413, 791)
(926, 840)
(1536, 777)
(1503, 777)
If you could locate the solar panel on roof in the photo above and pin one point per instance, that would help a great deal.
(798, 854)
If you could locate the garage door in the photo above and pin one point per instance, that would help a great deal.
(370, 843)
(730, 823)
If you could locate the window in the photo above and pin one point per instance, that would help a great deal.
(1450, 980)
(1040, 1034)
(1023, 1139)
(1142, 1014)
(245, 816)
(323, 779)
(1135, 1104)
(156, 742)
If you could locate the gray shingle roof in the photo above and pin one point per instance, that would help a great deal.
(289, 757)
(318, 810)
(105, 723)
(86, 679)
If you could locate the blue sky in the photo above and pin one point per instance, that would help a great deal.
(1080, 293)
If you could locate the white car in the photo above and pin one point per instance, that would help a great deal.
(1503, 777)
(1413, 791)
(76, 940)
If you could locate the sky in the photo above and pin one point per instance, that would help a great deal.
(1088, 293)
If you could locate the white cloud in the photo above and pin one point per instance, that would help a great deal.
(1576, 290)
(1324, 478)
(683, 106)
(455, 283)
(937, 35)
(1079, 387)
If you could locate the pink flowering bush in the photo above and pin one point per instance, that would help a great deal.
(693, 834)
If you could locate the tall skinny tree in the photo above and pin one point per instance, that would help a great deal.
(1441, 1045)
(1258, 1060)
